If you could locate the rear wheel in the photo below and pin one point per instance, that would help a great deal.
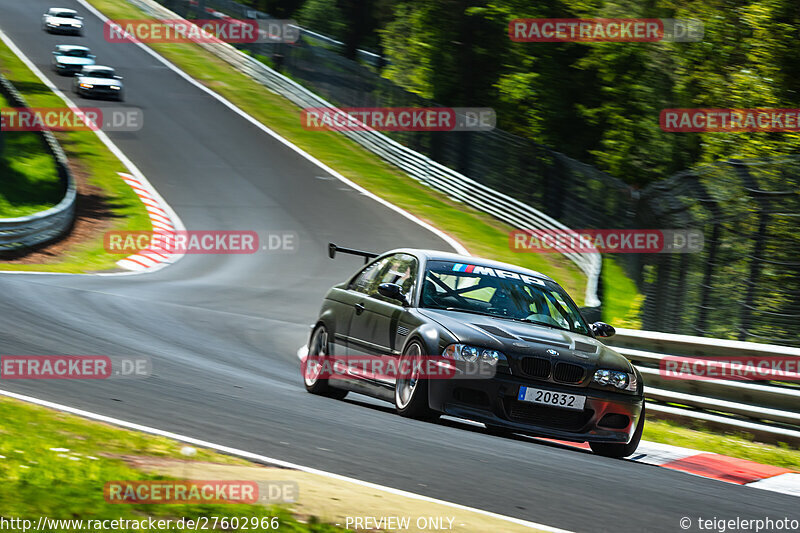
(619, 451)
(317, 365)
(411, 391)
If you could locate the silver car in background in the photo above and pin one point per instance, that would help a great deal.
(69, 59)
(61, 20)
(99, 82)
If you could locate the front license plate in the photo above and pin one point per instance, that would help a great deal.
(553, 399)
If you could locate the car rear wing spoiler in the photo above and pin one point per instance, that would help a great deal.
(332, 249)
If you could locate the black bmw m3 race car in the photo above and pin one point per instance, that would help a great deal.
(439, 333)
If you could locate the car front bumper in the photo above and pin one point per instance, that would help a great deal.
(100, 92)
(63, 29)
(494, 402)
(68, 70)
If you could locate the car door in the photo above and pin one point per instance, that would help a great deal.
(348, 298)
(374, 326)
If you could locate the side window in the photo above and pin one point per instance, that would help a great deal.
(366, 279)
(398, 268)
(402, 270)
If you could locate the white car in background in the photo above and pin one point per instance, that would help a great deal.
(61, 20)
(69, 59)
(99, 82)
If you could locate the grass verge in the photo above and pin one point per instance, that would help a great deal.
(56, 465)
(104, 194)
(29, 182)
(480, 233)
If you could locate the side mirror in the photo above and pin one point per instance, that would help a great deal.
(117, 77)
(393, 291)
(601, 329)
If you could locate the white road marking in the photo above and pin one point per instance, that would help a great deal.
(269, 460)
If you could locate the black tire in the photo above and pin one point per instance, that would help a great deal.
(319, 347)
(411, 392)
(618, 451)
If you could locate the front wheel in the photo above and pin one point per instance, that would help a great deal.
(411, 390)
(317, 366)
(618, 451)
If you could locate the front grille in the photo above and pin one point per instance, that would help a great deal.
(471, 397)
(542, 415)
(535, 367)
(568, 373)
(614, 421)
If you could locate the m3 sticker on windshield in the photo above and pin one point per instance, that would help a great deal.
(495, 272)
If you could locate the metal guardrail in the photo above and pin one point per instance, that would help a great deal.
(45, 226)
(767, 410)
(425, 170)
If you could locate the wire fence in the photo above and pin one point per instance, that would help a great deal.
(745, 284)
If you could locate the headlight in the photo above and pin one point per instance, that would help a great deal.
(620, 380)
(472, 354)
(115, 87)
(87, 85)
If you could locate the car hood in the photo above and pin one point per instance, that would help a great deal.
(102, 82)
(62, 20)
(69, 60)
(518, 339)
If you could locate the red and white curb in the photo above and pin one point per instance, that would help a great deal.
(162, 225)
(713, 466)
(703, 464)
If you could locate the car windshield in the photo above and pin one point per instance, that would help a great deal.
(76, 53)
(500, 293)
(100, 73)
(61, 14)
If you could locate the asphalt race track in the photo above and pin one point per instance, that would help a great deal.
(223, 330)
